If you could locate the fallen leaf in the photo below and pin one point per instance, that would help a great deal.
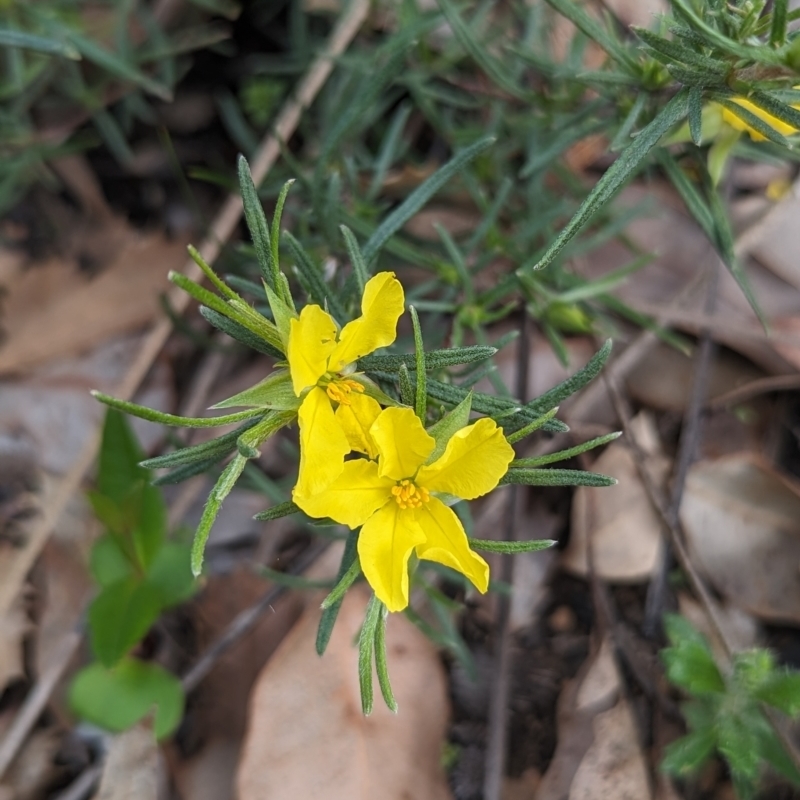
(121, 299)
(742, 523)
(618, 522)
(598, 754)
(34, 769)
(308, 738)
(134, 768)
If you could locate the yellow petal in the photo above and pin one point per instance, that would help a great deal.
(475, 459)
(381, 307)
(446, 542)
(312, 338)
(356, 419)
(402, 442)
(323, 444)
(384, 547)
(352, 498)
(740, 125)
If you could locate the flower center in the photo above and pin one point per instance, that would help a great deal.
(408, 495)
(339, 390)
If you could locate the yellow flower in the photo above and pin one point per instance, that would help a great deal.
(394, 499)
(740, 125)
(321, 359)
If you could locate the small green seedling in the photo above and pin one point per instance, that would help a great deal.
(727, 711)
(139, 573)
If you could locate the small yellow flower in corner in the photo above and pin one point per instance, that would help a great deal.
(321, 359)
(394, 499)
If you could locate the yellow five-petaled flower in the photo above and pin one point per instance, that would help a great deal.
(321, 362)
(394, 499)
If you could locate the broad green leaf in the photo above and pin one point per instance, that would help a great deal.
(106, 510)
(781, 690)
(618, 173)
(120, 616)
(116, 699)
(170, 574)
(118, 470)
(690, 752)
(739, 743)
(108, 562)
(691, 665)
(774, 752)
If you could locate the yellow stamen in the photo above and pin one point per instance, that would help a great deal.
(409, 495)
(339, 390)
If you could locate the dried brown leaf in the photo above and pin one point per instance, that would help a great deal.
(308, 738)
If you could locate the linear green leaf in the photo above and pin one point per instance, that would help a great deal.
(419, 197)
(239, 333)
(151, 415)
(278, 511)
(356, 259)
(329, 613)
(366, 645)
(9, 37)
(257, 224)
(563, 455)
(777, 31)
(493, 546)
(381, 661)
(420, 395)
(319, 291)
(556, 477)
(215, 449)
(434, 359)
(615, 176)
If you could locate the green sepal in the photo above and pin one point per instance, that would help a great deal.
(449, 424)
(281, 313)
(274, 392)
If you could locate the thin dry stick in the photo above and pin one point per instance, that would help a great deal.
(687, 448)
(37, 699)
(778, 383)
(221, 230)
(497, 736)
(674, 532)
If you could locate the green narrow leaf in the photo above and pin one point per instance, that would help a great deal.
(695, 112)
(388, 150)
(777, 31)
(781, 690)
(758, 124)
(687, 754)
(434, 359)
(626, 129)
(239, 333)
(676, 52)
(589, 26)
(490, 65)
(39, 44)
(356, 259)
(532, 426)
(282, 287)
(420, 396)
(494, 546)
(419, 197)
(257, 224)
(329, 613)
(688, 191)
(623, 168)
(366, 645)
(573, 384)
(221, 490)
(112, 63)
(563, 455)
(556, 477)
(407, 390)
(278, 511)
(319, 292)
(342, 585)
(381, 661)
(151, 415)
(217, 282)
